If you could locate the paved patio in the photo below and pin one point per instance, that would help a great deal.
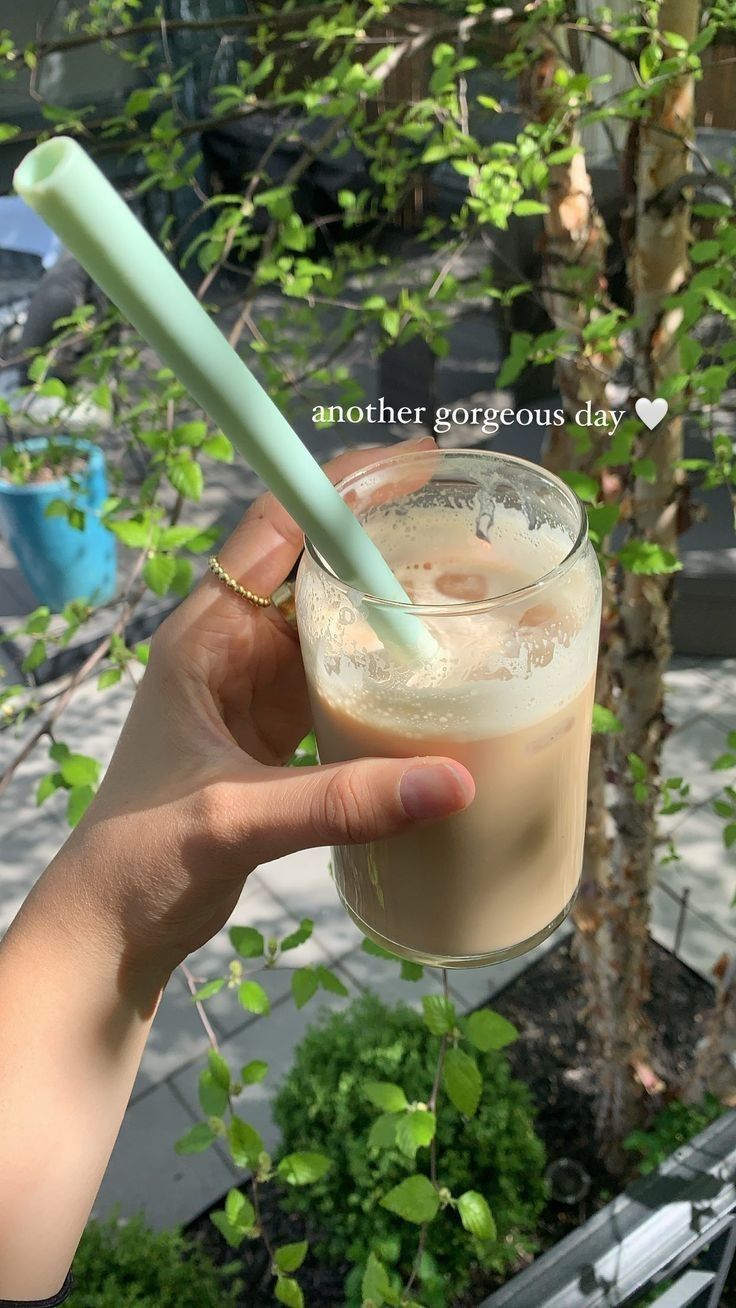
(144, 1171)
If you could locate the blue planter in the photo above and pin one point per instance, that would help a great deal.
(59, 562)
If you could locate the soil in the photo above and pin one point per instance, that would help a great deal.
(546, 1005)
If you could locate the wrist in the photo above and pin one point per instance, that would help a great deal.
(82, 909)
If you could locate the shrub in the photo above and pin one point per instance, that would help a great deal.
(674, 1125)
(322, 1106)
(131, 1266)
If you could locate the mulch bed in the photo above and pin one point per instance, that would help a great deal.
(546, 1004)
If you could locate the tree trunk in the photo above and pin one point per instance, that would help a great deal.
(658, 266)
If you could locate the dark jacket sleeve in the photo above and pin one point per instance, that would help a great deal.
(55, 1299)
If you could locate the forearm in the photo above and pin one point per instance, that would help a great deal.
(75, 1017)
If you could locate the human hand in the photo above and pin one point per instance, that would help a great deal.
(197, 795)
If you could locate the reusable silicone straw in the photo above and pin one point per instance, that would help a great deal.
(60, 181)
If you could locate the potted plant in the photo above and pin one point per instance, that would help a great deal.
(51, 493)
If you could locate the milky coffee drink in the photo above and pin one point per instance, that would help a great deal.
(509, 694)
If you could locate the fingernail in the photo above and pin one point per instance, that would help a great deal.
(435, 790)
(422, 442)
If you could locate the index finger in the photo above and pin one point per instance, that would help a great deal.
(266, 543)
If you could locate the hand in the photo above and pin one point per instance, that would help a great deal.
(197, 795)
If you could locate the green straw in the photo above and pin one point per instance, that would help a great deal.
(59, 180)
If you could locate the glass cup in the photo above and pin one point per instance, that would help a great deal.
(493, 551)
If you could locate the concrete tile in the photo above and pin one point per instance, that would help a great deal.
(706, 867)
(256, 907)
(303, 884)
(690, 753)
(177, 1037)
(25, 851)
(689, 692)
(272, 1038)
(94, 719)
(723, 672)
(145, 1173)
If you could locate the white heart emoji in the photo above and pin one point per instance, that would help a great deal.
(651, 412)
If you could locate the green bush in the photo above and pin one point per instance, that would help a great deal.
(674, 1125)
(130, 1266)
(322, 1106)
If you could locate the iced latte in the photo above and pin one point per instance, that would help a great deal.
(493, 554)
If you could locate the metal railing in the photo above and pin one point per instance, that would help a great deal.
(648, 1236)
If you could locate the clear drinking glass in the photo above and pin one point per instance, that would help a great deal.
(495, 555)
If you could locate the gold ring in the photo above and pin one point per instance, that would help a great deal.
(282, 598)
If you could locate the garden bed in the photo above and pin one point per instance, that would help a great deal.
(545, 1002)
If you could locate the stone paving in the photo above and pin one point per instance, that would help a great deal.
(144, 1171)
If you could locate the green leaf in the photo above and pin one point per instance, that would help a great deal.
(723, 763)
(245, 1142)
(303, 1168)
(411, 971)
(488, 1030)
(377, 951)
(649, 61)
(525, 208)
(213, 1098)
(79, 770)
(375, 1286)
(304, 984)
(58, 751)
(219, 447)
(80, 798)
(385, 1095)
(186, 477)
(725, 304)
(253, 1071)
(199, 1138)
(585, 487)
(219, 1069)
(209, 989)
(637, 767)
(159, 572)
(605, 721)
(330, 981)
(382, 1134)
(38, 621)
(239, 1209)
(602, 518)
(439, 1014)
(729, 835)
(475, 1215)
(289, 1292)
(705, 251)
(415, 1199)
(136, 535)
(47, 786)
(646, 558)
(109, 677)
(35, 656)
(232, 1234)
(247, 941)
(290, 1257)
(183, 578)
(253, 997)
(298, 937)
(414, 1130)
(462, 1081)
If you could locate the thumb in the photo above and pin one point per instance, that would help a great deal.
(352, 803)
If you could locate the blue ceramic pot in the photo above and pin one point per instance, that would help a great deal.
(60, 562)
